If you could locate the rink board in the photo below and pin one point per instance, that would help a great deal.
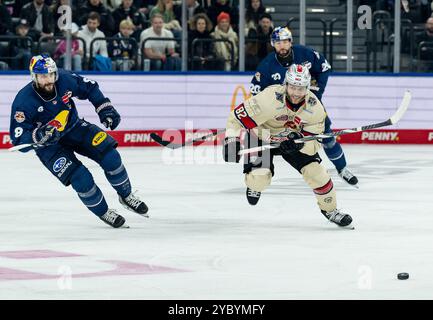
(187, 102)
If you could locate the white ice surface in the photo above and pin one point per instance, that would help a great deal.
(218, 246)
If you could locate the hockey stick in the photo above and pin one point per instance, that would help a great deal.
(173, 146)
(58, 123)
(393, 120)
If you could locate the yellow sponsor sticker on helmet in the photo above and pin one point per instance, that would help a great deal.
(98, 138)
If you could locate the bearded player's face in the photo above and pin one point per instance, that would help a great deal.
(45, 82)
(283, 47)
(296, 93)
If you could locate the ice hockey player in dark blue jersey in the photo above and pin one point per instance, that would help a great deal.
(45, 117)
(272, 70)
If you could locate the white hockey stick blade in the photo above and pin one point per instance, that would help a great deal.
(20, 146)
(403, 107)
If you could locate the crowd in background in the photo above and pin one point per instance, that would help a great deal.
(150, 29)
(146, 34)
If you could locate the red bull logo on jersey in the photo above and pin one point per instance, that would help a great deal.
(55, 123)
(19, 117)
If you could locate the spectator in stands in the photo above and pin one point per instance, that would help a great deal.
(5, 20)
(193, 8)
(160, 52)
(123, 52)
(112, 4)
(17, 7)
(21, 47)
(57, 16)
(258, 45)
(165, 8)
(106, 19)
(255, 10)
(223, 49)
(38, 15)
(426, 54)
(89, 32)
(128, 11)
(202, 53)
(144, 6)
(76, 51)
(223, 6)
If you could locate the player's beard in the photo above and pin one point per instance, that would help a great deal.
(47, 88)
(283, 53)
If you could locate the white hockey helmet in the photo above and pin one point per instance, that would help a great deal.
(298, 75)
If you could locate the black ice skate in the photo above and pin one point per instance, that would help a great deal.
(253, 196)
(348, 177)
(133, 203)
(113, 219)
(340, 219)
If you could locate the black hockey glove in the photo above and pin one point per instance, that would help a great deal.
(47, 134)
(231, 147)
(289, 146)
(108, 116)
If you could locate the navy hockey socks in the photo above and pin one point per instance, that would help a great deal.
(116, 173)
(89, 193)
(335, 153)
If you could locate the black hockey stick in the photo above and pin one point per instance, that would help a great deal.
(393, 120)
(171, 145)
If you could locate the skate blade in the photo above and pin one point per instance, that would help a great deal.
(349, 227)
(144, 215)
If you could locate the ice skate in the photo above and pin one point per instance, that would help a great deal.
(253, 196)
(113, 219)
(133, 203)
(339, 218)
(348, 177)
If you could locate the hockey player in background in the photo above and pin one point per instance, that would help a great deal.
(45, 116)
(282, 114)
(272, 71)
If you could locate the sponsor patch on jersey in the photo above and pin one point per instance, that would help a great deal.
(59, 164)
(41, 109)
(20, 117)
(312, 101)
(66, 97)
(257, 76)
(279, 96)
(98, 138)
(283, 117)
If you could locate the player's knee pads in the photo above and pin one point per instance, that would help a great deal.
(258, 179)
(315, 175)
(82, 180)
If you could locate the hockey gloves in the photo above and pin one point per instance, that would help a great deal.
(289, 146)
(231, 147)
(108, 116)
(47, 134)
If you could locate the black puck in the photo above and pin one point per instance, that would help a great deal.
(403, 276)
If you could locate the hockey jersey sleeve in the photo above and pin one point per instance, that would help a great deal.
(261, 79)
(86, 89)
(320, 70)
(21, 124)
(251, 113)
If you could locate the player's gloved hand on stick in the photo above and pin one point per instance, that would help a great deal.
(108, 116)
(231, 147)
(289, 146)
(47, 134)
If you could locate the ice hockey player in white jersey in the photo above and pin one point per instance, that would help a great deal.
(282, 114)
